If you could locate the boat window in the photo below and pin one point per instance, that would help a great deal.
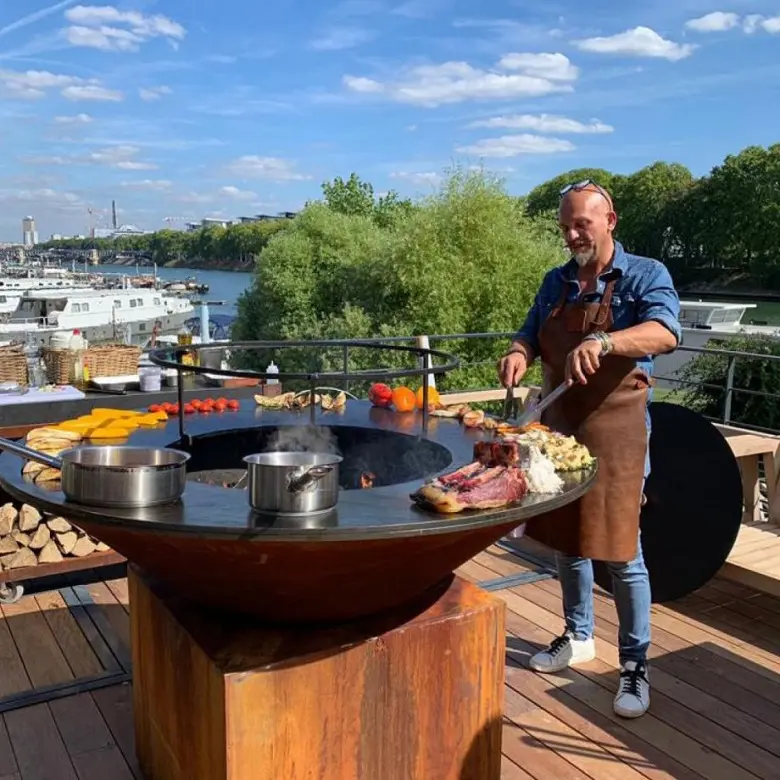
(84, 307)
(117, 304)
(132, 303)
(157, 302)
(76, 308)
(139, 301)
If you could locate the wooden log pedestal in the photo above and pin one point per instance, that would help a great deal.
(412, 695)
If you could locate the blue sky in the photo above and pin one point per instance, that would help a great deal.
(182, 110)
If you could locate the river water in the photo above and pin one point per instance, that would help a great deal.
(223, 285)
(228, 285)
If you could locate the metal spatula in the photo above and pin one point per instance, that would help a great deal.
(534, 414)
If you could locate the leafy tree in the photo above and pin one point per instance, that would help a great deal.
(708, 372)
(466, 259)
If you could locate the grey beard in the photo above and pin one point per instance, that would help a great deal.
(585, 258)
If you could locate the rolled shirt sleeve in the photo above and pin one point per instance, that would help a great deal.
(659, 302)
(529, 331)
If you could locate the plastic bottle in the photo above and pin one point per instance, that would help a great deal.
(272, 369)
(76, 346)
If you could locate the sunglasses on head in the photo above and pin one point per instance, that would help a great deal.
(584, 185)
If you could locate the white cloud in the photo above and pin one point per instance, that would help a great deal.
(109, 29)
(419, 179)
(46, 196)
(544, 123)
(152, 185)
(515, 145)
(555, 67)
(638, 42)
(252, 166)
(92, 92)
(236, 194)
(153, 93)
(78, 119)
(34, 84)
(455, 82)
(340, 38)
(120, 156)
(717, 21)
(771, 25)
(751, 23)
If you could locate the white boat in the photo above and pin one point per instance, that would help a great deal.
(703, 321)
(100, 315)
(13, 287)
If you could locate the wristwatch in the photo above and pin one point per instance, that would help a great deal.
(603, 339)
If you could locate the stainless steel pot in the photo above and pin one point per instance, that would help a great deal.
(125, 477)
(293, 483)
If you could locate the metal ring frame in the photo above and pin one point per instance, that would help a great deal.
(170, 357)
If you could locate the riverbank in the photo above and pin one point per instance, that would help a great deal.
(188, 263)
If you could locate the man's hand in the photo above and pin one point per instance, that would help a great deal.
(583, 361)
(512, 368)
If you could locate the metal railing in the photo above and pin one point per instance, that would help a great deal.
(729, 390)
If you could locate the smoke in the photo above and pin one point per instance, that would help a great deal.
(307, 438)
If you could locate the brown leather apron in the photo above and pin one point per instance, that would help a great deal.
(608, 416)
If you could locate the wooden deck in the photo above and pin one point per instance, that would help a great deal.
(715, 709)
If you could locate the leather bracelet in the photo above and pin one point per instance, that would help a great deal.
(521, 351)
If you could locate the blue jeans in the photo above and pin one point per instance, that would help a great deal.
(631, 591)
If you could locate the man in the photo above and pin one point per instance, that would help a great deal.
(597, 322)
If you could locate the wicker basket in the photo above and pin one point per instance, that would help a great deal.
(59, 362)
(13, 365)
(103, 360)
(112, 360)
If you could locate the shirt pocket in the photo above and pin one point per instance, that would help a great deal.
(624, 309)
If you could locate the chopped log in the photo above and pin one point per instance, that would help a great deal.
(84, 546)
(22, 559)
(67, 541)
(5, 560)
(102, 547)
(59, 525)
(8, 545)
(41, 537)
(29, 518)
(50, 553)
(21, 537)
(8, 515)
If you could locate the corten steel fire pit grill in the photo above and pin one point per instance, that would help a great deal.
(375, 551)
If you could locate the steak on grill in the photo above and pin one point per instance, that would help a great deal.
(499, 453)
(475, 486)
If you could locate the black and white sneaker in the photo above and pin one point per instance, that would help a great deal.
(564, 651)
(633, 697)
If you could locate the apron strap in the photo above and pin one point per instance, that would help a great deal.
(561, 302)
(604, 307)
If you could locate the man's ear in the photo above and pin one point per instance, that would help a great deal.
(612, 221)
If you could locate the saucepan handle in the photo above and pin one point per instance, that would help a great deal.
(26, 452)
(296, 484)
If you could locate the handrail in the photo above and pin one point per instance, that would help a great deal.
(729, 389)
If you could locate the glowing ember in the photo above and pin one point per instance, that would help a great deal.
(367, 479)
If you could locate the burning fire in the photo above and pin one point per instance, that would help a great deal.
(367, 479)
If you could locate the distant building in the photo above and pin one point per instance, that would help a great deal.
(122, 230)
(29, 233)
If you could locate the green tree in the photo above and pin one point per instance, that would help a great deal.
(707, 374)
(466, 259)
(546, 197)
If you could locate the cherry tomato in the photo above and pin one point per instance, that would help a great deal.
(196, 403)
(174, 408)
(233, 404)
(155, 408)
(167, 407)
(189, 409)
(220, 407)
(222, 400)
(205, 410)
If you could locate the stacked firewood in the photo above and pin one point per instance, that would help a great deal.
(28, 538)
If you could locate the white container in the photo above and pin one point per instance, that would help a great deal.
(150, 379)
(60, 339)
(272, 369)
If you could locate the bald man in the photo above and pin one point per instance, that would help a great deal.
(598, 322)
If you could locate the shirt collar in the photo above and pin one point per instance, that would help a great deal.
(618, 267)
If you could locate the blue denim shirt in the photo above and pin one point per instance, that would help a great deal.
(643, 292)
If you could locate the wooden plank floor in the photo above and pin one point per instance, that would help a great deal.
(755, 558)
(715, 709)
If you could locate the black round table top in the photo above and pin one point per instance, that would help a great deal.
(380, 512)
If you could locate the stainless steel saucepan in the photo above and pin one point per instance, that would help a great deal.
(293, 483)
(124, 477)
